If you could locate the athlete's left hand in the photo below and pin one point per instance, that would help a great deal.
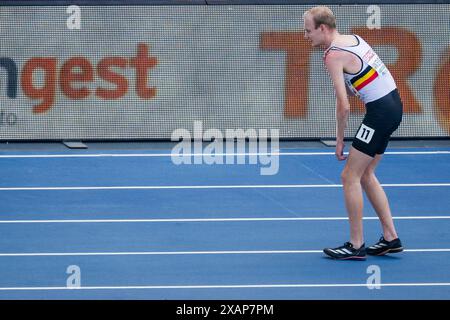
(340, 151)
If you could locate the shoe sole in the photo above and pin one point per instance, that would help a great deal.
(351, 258)
(396, 250)
(347, 258)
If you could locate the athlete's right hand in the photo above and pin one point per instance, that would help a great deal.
(340, 151)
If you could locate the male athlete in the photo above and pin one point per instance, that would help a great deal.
(356, 69)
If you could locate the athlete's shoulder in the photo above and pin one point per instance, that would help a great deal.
(334, 63)
(333, 54)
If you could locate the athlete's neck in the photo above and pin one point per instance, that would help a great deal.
(330, 39)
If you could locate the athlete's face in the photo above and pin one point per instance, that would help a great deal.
(315, 36)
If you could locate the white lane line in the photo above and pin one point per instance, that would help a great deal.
(177, 253)
(213, 219)
(151, 253)
(137, 155)
(232, 286)
(157, 155)
(268, 186)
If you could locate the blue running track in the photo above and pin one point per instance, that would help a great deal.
(137, 226)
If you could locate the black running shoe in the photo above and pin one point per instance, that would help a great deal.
(346, 252)
(383, 246)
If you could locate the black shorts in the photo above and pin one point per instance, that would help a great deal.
(383, 116)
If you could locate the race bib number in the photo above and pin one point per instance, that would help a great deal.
(365, 133)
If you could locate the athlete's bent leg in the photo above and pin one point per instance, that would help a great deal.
(355, 167)
(378, 199)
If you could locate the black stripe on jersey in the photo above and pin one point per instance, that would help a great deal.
(362, 74)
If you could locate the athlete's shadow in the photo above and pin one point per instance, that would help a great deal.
(369, 258)
(386, 257)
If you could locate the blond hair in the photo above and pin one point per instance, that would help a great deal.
(322, 15)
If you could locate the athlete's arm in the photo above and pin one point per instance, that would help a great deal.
(335, 67)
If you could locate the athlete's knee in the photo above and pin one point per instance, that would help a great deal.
(348, 176)
(368, 178)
